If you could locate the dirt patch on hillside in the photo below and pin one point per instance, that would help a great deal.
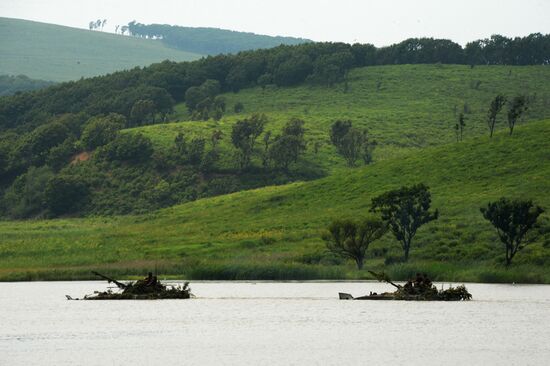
(78, 158)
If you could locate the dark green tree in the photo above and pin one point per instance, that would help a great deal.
(294, 127)
(238, 107)
(351, 239)
(368, 148)
(25, 197)
(34, 147)
(518, 106)
(142, 112)
(264, 80)
(351, 146)
(494, 109)
(99, 131)
(351, 143)
(293, 71)
(512, 219)
(215, 138)
(195, 150)
(243, 136)
(193, 96)
(4, 159)
(267, 140)
(181, 144)
(405, 210)
(211, 88)
(130, 147)
(65, 194)
(217, 109)
(208, 161)
(285, 150)
(288, 147)
(331, 68)
(60, 155)
(459, 127)
(338, 130)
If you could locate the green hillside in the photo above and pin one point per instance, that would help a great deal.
(405, 107)
(274, 232)
(58, 53)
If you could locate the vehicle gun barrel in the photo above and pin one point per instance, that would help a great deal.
(119, 284)
(382, 277)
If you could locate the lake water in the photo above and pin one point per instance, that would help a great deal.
(273, 324)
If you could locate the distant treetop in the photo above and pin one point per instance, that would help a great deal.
(208, 41)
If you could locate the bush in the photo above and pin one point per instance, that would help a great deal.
(128, 147)
(99, 131)
(239, 107)
(25, 197)
(36, 145)
(65, 194)
(222, 185)
(393, 259)
(60, 155)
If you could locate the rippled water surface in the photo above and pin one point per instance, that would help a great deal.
(273, 323)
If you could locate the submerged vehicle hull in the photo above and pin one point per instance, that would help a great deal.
(421, 289)
(390, 296)
(148, 288)
(126, 296)
(123, 296)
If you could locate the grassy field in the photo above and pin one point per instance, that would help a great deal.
(406, 108)
(274, 232)
(57, 53)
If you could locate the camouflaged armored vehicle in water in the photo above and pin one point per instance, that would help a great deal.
(149, 288)
(419, 289)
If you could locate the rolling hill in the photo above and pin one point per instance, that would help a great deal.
(274, 232)
(404, 107)
(271, 232)
(57, 53)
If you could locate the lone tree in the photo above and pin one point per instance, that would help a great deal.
(518, 106)
(350, 239)
(459, 127)
(512, 219)
(243, 136)
(352, 143)
(494, 109)
(215, 138)
(405, 210)
(287, 148)
(265, 149)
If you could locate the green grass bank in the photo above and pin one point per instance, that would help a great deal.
(274, 232)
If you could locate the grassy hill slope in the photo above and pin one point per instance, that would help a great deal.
(274, 232)
(405, 107)
(58, 53)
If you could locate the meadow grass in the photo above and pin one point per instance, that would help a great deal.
(416, 106)
(275, 232)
